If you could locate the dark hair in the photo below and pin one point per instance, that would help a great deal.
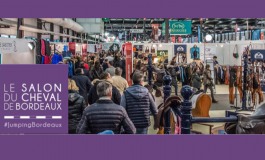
(137, 77)
(138, 65)
(207, 66)
(118, 71)
(78, 71)
(214, 56)
(104, 75)
(111, 63)
(172, 63)
(97, 65)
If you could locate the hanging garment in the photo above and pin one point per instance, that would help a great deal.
(195, 52)
(256, 89)
(56, 58)
(227, 75)
(47, 48)
(47, 60)
(38, 52)
(70, 69)
(42, 59)
(235, 81)
(43, 48)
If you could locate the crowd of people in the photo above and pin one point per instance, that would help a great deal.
(100, 98)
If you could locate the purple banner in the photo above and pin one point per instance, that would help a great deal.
(135, 9)
(165, 147)
(33, 99)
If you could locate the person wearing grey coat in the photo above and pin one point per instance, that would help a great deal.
(196, 79)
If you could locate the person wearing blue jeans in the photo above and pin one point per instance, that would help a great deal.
(141, 130)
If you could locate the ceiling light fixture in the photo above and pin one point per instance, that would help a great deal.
(208, 38)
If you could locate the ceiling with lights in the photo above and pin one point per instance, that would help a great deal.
(209, 25)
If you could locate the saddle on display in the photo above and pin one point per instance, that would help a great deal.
(248, 124)
(203, 104)
(162, 109)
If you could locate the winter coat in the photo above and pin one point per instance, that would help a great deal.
(76, 106)
(196, 80)
(84, 85)
(93, 96)
(105, 115)
(173, 73)
(95, 73)
(138, 103)
(207, 79)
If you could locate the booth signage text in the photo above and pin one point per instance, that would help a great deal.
(179, 27)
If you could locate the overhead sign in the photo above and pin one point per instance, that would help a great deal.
(137, 30)
(180, 27)
(257, 54)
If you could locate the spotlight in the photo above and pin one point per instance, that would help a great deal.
(31, 45)
(208, 38)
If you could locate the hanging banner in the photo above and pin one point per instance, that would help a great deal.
(129, 57)
(98, 48)
(162, 53)
(210, 51)
(180, 27)
(72, 46)
(257, 54)
(181, 52)
(84, 48)
(180, 48)
(91, 48)
(106, 46)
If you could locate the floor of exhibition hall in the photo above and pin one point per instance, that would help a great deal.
(217, 109)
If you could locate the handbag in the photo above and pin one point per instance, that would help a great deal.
(147, 49)
(153, 50)
(235, 52)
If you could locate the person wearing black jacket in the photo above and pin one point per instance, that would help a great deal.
(76, 106)
(82, 82)
(93, 96)
(139, 103)
(96, 71)
(105, 115)
(172, 69)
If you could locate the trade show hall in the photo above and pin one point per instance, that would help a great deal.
(149, 75)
